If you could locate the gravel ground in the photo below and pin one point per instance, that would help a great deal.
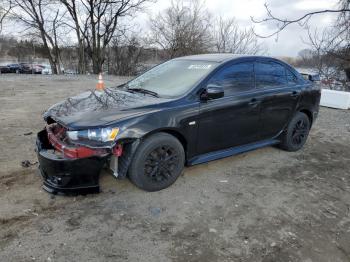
(265, 205)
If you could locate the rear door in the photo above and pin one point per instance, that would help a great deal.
(233, 119)
(280, 96)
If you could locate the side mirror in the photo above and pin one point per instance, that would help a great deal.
(212, 92)
(314, 78)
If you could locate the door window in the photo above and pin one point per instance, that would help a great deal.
(291, 78)
(235, 78)
(269, 75)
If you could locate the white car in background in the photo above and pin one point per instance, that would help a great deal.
(46, 70)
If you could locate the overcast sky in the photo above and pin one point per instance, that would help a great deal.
(289, 42)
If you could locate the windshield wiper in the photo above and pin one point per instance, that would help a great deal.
(144, 91)
(122, 85)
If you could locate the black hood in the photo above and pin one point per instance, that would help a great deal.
(101, 108)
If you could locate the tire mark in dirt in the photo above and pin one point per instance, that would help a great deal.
(21, 177)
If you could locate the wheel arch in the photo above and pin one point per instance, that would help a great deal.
(132, 144)
(308, 113)
(171, 131)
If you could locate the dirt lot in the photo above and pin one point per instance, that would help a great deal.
(266, 205)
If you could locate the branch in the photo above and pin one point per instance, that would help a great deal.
(283, 23)
(3, 13)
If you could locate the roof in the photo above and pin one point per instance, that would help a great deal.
(220, 57)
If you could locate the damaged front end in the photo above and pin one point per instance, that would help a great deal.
(69, 168)
(82, 136)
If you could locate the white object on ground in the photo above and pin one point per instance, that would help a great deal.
(212, 230)
(335, 99)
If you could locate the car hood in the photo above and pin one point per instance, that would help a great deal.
(101, 108)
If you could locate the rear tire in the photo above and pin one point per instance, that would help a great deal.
(157, 163)
(296, 133)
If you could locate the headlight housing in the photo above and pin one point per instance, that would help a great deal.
(100, 134)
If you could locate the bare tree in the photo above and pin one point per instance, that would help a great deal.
(125, 52)
(182, 29)
(320, 44)
(343, 24)
(305, 57)
(344, 18)
(75, 23)
(327, 54)
(228, 37)
(281, 23)
(334, 41)
(96, 23)
(43, 18)
(5, 9)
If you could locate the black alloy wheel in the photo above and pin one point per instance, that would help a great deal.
(157, 163)
(161, 163)
(300, 132)
(296, 133)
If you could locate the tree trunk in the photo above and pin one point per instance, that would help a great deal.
(53, 65)
(72, 9)
(81, 51)
(97, 60)
(347, 72)
(95, 63)
(81, 57)
(52, 61)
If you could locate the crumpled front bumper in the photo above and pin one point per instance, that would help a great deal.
(63, 175)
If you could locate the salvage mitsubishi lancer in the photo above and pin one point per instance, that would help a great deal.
(186, 111)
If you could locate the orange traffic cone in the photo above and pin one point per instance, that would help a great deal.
(100, 84)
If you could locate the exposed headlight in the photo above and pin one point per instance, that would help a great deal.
(100, 134)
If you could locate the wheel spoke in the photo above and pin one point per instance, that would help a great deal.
(299, 132)
(165, 174)
(170, 159)
(154, 172)
(160, 163)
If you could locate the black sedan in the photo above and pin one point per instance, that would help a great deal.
(5, 69)
(186, 111)
(13, 68)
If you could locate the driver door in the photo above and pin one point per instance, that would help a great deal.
(232, 120)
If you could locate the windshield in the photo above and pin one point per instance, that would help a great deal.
(172, 78)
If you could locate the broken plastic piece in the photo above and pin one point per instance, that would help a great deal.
(118, 150)
(113, 165)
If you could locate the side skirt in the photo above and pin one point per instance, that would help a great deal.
(230, 152)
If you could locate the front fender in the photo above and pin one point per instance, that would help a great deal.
(129, 150)
(174, 121)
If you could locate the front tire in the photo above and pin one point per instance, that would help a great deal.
(296, 133)
(157, 163)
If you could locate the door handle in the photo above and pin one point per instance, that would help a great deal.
(253, 102)
(294, 93)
